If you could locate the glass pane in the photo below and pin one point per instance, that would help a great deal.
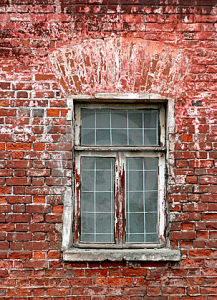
(88, 118)
(87, 181)
(136, 203)
(102, 119)
(135, 180)
(141, 200)
(87, 203)
(119, 119)
(135, 163)
(97, 199)
(151, 238)
(87, 237)
(103, 203)
(151, 137)
(88, 137)
(136, 238)
(151, 127)
(151, 201)
(151, 118)
(119, 127)
(102, 137)
(119, 137)
(151, 223)
(87, 225)
(104, 238)
(135, 119)
(88, 163)
(135, 136)
(136, 223)
(151, 163)
(103, 163)
(103, 180)
(103, 223)
(151, 180)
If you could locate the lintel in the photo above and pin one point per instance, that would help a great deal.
(122, 97)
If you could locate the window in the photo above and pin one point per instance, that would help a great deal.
(118, 205)
(120, 182)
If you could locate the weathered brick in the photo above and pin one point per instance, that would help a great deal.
(18, 146)
(18, 181)
(50, 51)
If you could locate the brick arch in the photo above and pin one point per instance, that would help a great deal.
(121, 65)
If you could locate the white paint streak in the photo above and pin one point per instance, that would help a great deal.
(120, 64)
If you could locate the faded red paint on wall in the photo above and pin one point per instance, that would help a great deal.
(51, 49)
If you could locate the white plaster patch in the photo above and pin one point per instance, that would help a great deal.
(180, 179)
(6, 130)
(185, 19)
(67, 218)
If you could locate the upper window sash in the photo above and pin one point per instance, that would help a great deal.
(111, 130)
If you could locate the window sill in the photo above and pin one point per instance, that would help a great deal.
(164, 254)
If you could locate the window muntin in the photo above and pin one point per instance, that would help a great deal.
(133, 220)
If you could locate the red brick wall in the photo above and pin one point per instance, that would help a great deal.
(51, 49)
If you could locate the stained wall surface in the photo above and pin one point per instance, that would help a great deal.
(53, 49)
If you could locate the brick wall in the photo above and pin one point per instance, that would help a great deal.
(51, 49)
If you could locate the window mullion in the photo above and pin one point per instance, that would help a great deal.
(121, 197)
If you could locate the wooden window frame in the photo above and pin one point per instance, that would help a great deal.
(120, 153)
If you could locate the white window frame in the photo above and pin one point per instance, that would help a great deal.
(99, 252)
(121, 153)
